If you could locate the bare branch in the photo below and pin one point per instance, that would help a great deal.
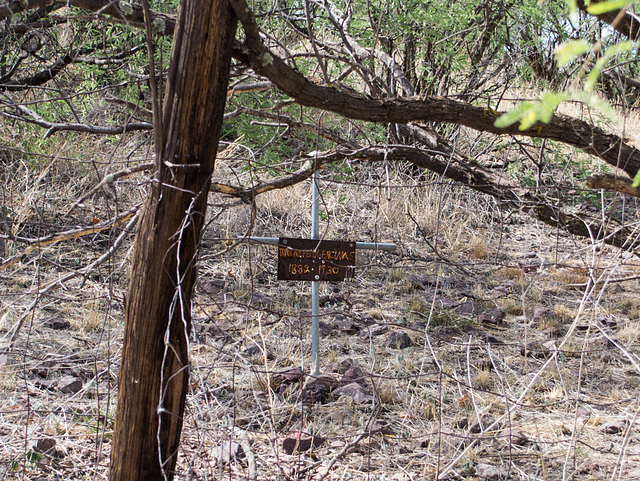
(132, 15)
(63, 236)
(109, 180)
(131, 216)
(324, 132)
(466, 173)
(30, 116)
(628, 24)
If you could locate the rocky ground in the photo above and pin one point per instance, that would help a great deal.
(485, 347)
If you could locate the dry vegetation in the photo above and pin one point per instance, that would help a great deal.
(522, 360)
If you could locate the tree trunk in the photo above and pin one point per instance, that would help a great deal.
(154, 372)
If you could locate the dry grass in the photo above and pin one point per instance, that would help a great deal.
(542, 408)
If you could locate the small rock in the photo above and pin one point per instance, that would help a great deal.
(69, 384)
(347, 327)
(588, 466)
(552, 332)
(257, 350)
(213, 286)
(462, 423)
(419, 326)
(632, 474)
(492, 473)
(45, 445)
(505, 286)
(260, 301)
(218, 333)
(425, 281)
(494, 316)
(398, 340)
(482, 424)
(225, 297)
(374, 330)
(287, 377)
(47, 384)
(301, 445)
(493, 340)
(542, 313)
(325, 329)
(378, 426)
(517, 437)
(356, 391)
(353, 374)
(227, 451)
(420, 444)
(339, 367)
(470, 307)
(318, 389)
(333, 300)
(614, 426)
(57, 322)
(538, 350)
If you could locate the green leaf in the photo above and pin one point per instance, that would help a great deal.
(529, 113)
(573, 9)
(548, 105)
(529, 118)
(513, 116)
(611, 52)
(567, 52)
(636, 180)
(598, 8)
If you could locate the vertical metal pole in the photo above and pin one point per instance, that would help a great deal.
(315, 285)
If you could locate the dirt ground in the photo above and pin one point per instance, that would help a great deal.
(487, 346)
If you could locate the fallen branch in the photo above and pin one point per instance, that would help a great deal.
(613, 183)
(82, 272)
(466, 173)
(247, 194)
(110, 179)
(63, 236)
(30, 116)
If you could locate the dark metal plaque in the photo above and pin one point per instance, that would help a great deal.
(315, 260)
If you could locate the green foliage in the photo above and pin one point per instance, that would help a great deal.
(569, 51)
(598, 8)
(34, 456)
(530, 113)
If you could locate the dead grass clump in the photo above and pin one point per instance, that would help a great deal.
(419, 306)
(483, 379)
(570, 276)
(478, 249)
(631, 307)
(629, 333)
(564, 313)
(507, 272)
(396, 275)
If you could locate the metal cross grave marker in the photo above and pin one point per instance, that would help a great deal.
(317, 260)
